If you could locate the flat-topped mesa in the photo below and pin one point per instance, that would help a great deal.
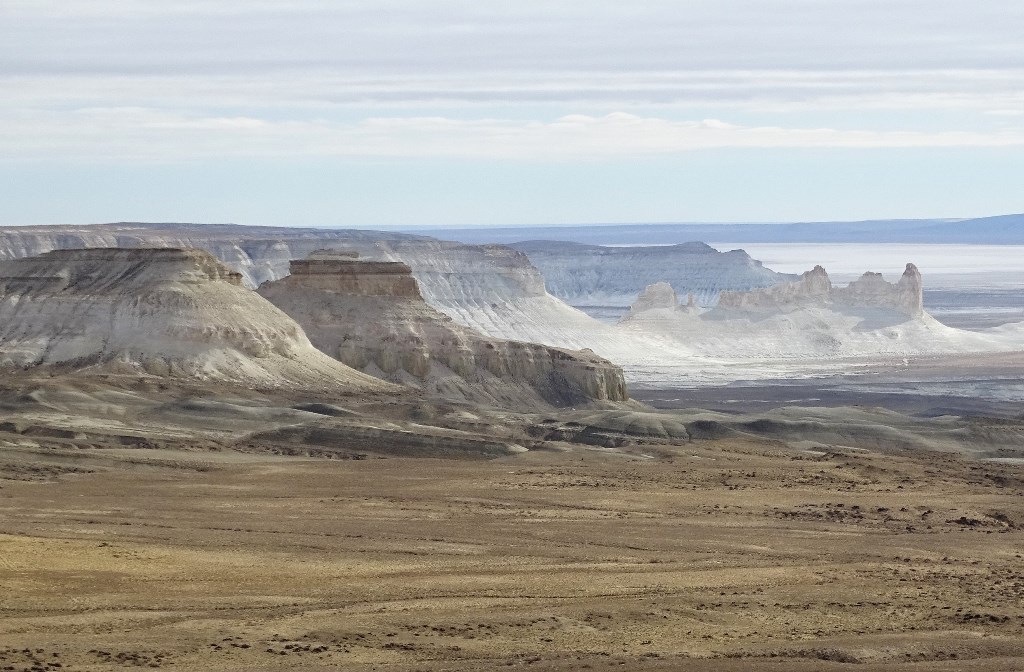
(332, 253)
(101, 268)
(344, 273)
(370, 315)
(164, 312)
(813, 288)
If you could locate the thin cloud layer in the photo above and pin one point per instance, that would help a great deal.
(532, 35)
(325, 70)
(146, 134)
(177, 90)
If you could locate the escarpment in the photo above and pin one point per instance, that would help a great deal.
(445, 270)
(490, 288)
(163, 312)
(595, 275)
(371, 316)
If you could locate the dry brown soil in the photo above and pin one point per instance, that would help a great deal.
(727, 555)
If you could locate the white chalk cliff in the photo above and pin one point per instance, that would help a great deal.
(810, 319)
(814, 288)
(594, 275)
(497, 291)
(491, 288)
(161, 312)
(371, 316)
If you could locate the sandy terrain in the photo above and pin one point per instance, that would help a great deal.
(718, 555)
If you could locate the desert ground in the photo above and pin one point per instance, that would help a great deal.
(188, 482)
(732, 554)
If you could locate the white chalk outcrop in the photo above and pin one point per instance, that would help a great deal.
(809, 319)
(814, 288)
(905, 296)
(661, 296)
(163, 312)
(371, 316)
(595, 275)
(491, 288)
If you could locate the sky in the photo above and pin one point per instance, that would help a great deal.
(452, 112)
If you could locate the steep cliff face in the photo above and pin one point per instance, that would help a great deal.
(490, 288)
(592, 275)
(343, 274)
(164, 312)
(871, 290)
(260, 254)
(371, 316)
(813, 288)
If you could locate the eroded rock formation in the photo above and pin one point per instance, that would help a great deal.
(165, 312)
(905, 296)
(594, 275)
(661, 297)
(491, 288)
(808, 320)
(814, 288)
(371, 316)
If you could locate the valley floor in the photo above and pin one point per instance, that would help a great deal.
(716, 555)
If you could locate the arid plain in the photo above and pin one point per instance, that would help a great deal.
(726, 554)
(333, 473)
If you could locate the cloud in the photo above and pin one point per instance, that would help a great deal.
(155, 135)
(136, 78)
(412, 38)
(764, 91)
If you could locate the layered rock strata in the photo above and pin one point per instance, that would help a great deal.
(595, 275)
(491, 288)
(164, 312)
(371, 316)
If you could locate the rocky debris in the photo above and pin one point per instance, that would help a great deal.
(613, 429)
(166, 312)
(371, 316)
(355, 439)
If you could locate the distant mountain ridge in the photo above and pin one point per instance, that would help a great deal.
(998, 230)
